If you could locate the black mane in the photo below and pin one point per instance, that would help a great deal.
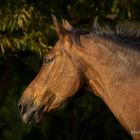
(126, 35)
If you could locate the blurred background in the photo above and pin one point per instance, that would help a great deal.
(26, 34)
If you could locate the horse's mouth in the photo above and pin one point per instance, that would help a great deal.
(35, 115)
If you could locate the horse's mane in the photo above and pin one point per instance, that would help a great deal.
(125, 34)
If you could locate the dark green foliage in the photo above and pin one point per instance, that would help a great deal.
(26, 34)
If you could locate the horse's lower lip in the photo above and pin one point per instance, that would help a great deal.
(36, 114)
(32, 117)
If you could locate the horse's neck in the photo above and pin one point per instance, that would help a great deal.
(112, 83)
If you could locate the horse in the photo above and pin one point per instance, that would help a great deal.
(104, 61)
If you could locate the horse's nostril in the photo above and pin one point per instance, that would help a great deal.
(21, 108)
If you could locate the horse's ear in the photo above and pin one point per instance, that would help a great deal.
(58, 27)
(67, 25)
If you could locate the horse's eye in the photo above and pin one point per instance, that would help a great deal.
(47, 60)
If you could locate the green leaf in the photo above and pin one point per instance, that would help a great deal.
(2, 48)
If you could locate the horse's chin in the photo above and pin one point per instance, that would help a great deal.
(36, 116)
(33, 117)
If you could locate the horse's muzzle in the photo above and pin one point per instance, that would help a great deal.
(30, 115)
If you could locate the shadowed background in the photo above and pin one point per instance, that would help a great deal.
(26, 34)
